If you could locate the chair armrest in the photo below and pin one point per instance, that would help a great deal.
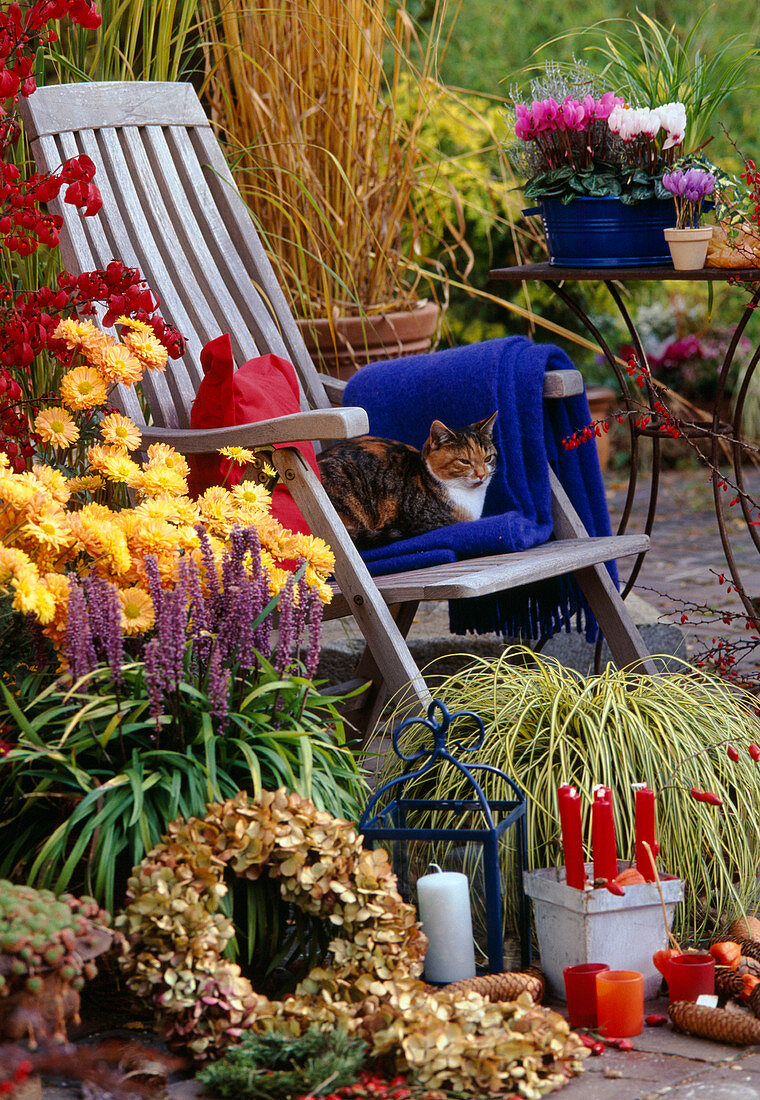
(296, 428)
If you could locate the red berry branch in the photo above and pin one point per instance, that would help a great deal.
(28, 319)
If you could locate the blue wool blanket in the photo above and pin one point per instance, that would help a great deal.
(461, 386)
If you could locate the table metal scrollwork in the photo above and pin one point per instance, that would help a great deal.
(556, 279)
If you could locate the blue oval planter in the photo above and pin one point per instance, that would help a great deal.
(590, 232)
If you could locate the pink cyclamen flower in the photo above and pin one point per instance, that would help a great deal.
(546, 114)
(524, 128)
(573, 114)
(606, 105)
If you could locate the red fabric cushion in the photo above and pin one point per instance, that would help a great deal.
(260, 390)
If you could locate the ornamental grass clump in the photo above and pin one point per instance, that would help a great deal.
(547, 725)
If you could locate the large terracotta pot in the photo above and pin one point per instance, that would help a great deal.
(358, 341)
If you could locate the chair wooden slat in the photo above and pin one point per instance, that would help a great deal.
(242, 230)
(118, 103)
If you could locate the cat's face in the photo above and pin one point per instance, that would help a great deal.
(466, 458)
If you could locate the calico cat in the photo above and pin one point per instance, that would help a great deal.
(384, 490)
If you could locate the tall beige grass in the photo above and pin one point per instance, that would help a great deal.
(323, 158)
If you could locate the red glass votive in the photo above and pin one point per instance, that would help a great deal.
(620, 1003)
(689, 976)
(580, 990)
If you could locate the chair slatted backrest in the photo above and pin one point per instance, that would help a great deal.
(170, 208)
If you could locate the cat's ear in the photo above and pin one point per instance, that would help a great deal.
(440, 434)
(487, 424)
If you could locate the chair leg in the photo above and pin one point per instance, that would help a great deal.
(621, 633)
(394, 663)
(377, 695)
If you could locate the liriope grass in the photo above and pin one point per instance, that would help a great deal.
(547, 725)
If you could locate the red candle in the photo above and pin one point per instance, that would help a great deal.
(603, 843)
(572, 836)
(645, 832)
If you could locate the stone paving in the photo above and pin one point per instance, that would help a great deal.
(665, 1063)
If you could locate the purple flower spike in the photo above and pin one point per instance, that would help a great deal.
(79, 647)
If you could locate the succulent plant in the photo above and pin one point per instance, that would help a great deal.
(43, 935)
(371, 986)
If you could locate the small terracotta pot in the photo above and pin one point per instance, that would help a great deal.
(352, 342)
(688, 247)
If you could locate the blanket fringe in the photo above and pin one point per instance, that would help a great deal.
(530, 612)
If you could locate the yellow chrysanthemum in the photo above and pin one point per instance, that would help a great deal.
(137, 614)
(50, 529)
(87, 484)
(248, 515)
(53, 481)
(161, 507)
(217, 509)
(278, 578)
(83, 388)
(118, 364)
(240, 455)
(315, 551)
(159, 479)
(273, 535)
(102, 539)
(115, 465)
(56, 427)
(153, 536)
(187, 510)
(17, 491)
(73, 332)
(317, 581)
(33, 598)
(14, 562)
(161, 454)
(250, 492)
(146, 347)
(120, 431)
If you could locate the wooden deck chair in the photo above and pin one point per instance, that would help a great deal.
(171, 209)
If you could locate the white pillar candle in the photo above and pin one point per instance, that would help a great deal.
(444, 906)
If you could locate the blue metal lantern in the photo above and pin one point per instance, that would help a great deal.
(387, 816)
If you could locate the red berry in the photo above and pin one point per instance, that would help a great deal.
(732, 753)
(656, 1019)
(598, 1048)
(754, 751)
(625, 1044)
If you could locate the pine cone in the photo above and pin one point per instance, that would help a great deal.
(744, 928)
(750, 949)
(728, 984)
(754, 1000)
(719, 1024)
(498, 987)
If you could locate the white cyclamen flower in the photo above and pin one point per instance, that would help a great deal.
(673, 120)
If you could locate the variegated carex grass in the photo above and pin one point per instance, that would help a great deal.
(547, 725)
